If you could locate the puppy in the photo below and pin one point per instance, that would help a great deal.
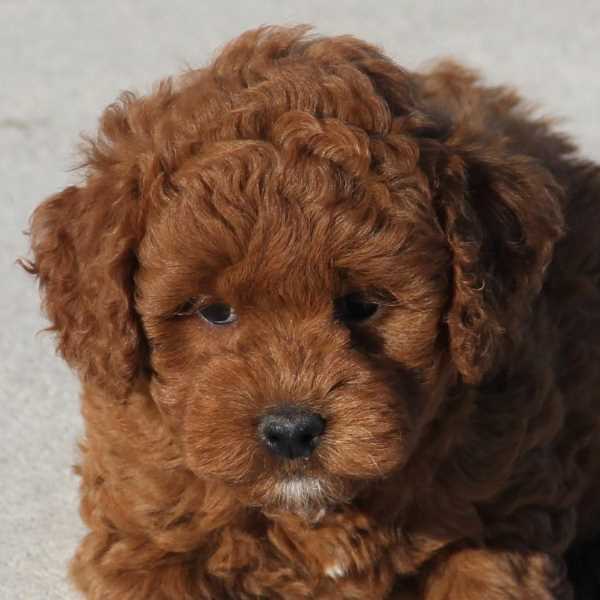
(338, 331)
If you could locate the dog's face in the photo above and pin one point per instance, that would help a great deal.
(292, 320)
(299, 259)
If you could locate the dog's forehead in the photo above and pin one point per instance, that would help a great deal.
(300, 206)
(253, 220)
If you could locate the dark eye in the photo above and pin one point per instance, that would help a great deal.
(354, 308)
(218, 314)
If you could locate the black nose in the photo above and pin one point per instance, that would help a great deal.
(291, 432)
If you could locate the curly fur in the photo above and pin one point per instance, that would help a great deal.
(461, 455)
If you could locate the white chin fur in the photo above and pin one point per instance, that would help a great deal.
(299, 492)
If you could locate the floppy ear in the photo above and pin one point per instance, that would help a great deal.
(84, 242)
(502, 215)
(84, 258)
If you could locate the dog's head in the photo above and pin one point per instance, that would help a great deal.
(299, 257)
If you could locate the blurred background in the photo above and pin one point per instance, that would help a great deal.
(63, 61)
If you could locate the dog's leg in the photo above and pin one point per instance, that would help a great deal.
(107, 567)
(485, 574)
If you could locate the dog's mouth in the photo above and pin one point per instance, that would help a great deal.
(297, 492)
(306, 494)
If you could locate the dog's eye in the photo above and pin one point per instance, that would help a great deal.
(354, 308)
(218, 313)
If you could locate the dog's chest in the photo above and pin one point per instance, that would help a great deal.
(341, 557)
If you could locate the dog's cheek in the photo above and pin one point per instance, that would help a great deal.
(369, 433)
(219, 441)
(216, 442)
(219, 420)
(181, 348)
(415, 354)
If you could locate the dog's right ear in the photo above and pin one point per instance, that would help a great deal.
(85, 241)
(84, 258)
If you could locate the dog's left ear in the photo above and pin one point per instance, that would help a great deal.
(502, 215)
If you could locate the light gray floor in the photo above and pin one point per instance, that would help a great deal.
(61, 62)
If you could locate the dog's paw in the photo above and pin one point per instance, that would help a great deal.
(338, 569)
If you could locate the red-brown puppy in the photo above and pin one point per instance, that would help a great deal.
(338, 330)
